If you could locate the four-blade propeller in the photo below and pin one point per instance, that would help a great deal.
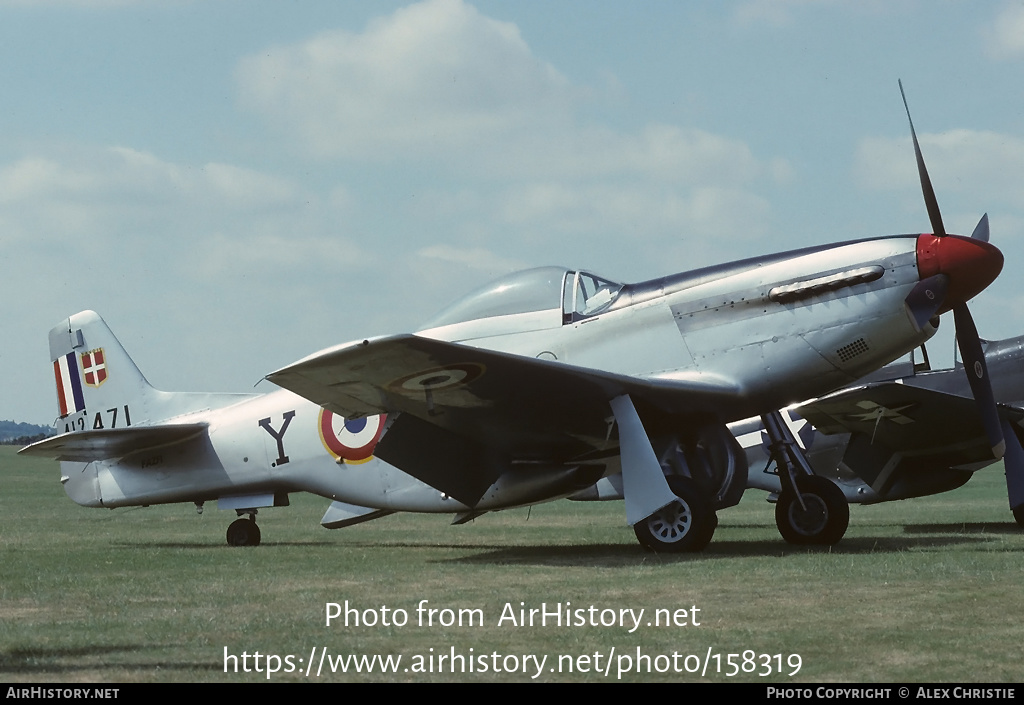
(941, 291)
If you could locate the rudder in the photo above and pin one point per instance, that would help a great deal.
(98, 384)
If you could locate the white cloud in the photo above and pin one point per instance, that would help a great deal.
(429, 77)
(119, 171)
(643, 215)
(1004, 38)
(438, 83)
(274, 250)
(663, 153)
(987, 167)
(212, 249)
(439, 79)
(221, 185)
(38, 176)
(201, 220)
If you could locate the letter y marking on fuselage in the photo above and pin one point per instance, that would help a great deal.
(279, 435)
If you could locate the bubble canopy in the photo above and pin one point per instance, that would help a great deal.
(576, 294)
(530, 290)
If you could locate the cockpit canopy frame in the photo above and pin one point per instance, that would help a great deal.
(575, 294)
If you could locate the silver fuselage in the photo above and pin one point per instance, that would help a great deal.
(728, 326)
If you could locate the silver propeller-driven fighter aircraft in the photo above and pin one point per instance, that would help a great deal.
(905, 431)
(531, 389)
(917, 432)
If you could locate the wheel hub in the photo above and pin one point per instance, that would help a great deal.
(812, 520)
(671, 523)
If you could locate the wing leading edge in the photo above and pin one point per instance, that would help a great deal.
(904, 417)
(908, 435)
(522, 405)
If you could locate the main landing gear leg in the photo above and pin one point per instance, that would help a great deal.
(244, 532)
(668, 514)
(811, 509)
(1013, 462)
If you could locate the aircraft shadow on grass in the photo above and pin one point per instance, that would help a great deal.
(953, 534)
(200, 545)
(61, 660)
(612, 555)
(616, 555)
(980, 527)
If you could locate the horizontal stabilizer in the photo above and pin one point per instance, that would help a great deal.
(341, 514)
(108, 443)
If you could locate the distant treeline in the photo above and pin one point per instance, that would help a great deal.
(13, 433)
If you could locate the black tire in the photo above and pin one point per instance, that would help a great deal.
(684, 526)
(825, 519)
(1018, 515)
(243, 532)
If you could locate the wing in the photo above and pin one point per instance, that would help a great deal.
(508, 401)
(102, 444)
(903, 417)
(907, 439)
(466, 413)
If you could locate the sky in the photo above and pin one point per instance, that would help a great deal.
(235, 185)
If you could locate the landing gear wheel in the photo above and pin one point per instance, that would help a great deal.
(243, 532)
(1018, 514)
(684, 526)
(822, 522)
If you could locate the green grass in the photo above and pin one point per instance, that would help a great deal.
(923, 590)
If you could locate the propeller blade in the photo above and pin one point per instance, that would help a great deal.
(977, 375)
(926, 298)
(981, 229)
(1013, 461)
(930, 202)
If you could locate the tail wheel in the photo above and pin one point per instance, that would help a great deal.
(243, 532)
(821, 520)
(684, 526)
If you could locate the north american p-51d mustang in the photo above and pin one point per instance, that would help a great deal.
(918, 432)
(905, 431)
(531, 389)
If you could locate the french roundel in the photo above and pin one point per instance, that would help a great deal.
(351, 440)
(439, 378)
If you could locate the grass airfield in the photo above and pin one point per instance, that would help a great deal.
(923, 590)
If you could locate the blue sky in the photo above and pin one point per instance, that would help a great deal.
(234, 185)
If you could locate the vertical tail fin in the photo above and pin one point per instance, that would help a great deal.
(98, 384)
